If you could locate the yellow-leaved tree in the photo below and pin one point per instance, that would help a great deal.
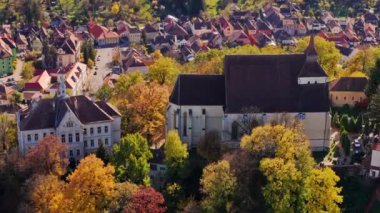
(287, 164)
(92, 185)
(328, 55)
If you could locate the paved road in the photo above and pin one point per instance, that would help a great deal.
(103, 65)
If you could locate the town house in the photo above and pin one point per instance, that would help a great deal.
(77, 121)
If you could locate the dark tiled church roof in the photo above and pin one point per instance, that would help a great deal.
(198, 90)
(49, 113)
(270, 82)
(350, 84)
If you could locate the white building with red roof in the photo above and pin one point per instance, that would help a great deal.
(102, 35)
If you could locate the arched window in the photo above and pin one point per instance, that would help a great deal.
(185, 124)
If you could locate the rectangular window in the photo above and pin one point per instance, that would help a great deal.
(106, 129)
(71, 153)
(44, 134)
(99, 142)
(203, 111)
(29, 138)
(52, 133)
(99, 129)
(70, 138)
(85, 131)
(92, 143)
(36, 137)
(106, 141)
(85, 143)
(77, 137)
(78, 152)
(63, 138)
(91, 130)
(153, 167)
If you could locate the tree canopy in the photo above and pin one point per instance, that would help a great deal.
(130, 158)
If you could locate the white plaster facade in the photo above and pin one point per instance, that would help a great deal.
(192, 122)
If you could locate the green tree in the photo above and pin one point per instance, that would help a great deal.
(124, 82)
(345, 142)
(374, 108)
(374, 79)
(8, 132)
(104, 93)
(336, 120)
(210, 146)
(131, 159)
(218, 184)
(344, 122)
(102, 153)
(176, 155)
(50, 55)
(164, 71)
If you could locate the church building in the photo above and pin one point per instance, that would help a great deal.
(278, 87)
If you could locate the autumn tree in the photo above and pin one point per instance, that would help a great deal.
(115, 9)
(123, 194)
(285, 161)
(176, 155)
(148, 200)
(48, 157)
(321, 191)
(131, 159)
(104, 93)
(91, 187)
(328, 54)
(28, 70)
(218, 184)
(164, 71)
(363, 61)
(210, 146)
(250, 180)
(143, 110)
(8, 132)
(46, 193)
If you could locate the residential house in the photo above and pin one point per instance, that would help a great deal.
(334, 26)
(225, 26)
(5, 94)
(135, 60)
(102, 35)
(125, 30)
(21, 42)
(281, 86)
(37, 87)
(348, 91)
(199, 27)
(77, 121)
(75, 76)
(6, 59)
(68, 48)
(374, 171)
(151, 32)
(284, 38)
(294, 27)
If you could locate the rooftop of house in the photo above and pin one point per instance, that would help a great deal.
(350, 84)
(48, 113)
